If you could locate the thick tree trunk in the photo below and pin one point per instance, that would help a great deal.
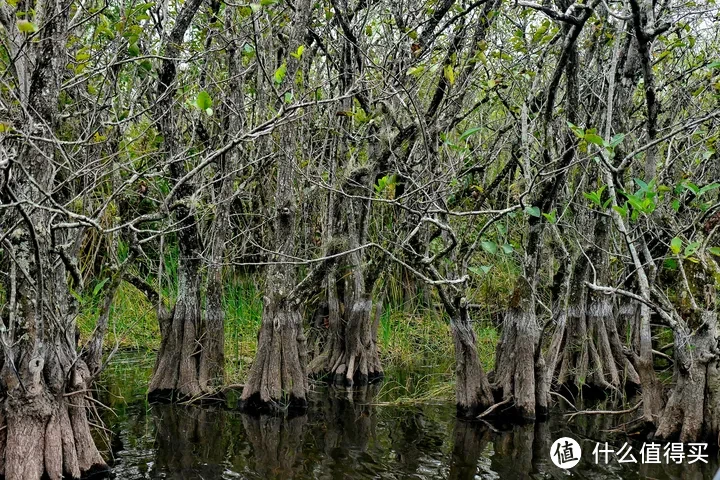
(585, 350)
(519, 369)
(472, 389)
(176, 367)
(278, 376)
(692, 412)
(350, 356)
(46, 435)
(44, 429)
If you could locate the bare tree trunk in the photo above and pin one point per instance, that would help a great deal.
(212, 360)
(278, 374)
(176, 374)
(519, 371)
(43, 382)
(472, 390)
(692, 411)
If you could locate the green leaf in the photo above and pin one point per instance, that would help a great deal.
(676, 245)
(714, 251)
(507, 249)
(708, 188)
(617, 139)
(280, 73)
(467, 133)
(99, 286)
(675, 204)
(203, 101)
(483, 270)
(621, 210)
(489, 246)
(534, 211)
(26, 27)
(298, 53)
(416, 71)
(594, 138)
(691, 248)
(449, 74)
(643, 186)
(692, 187)
(551, 217)
(579, 132)
(133, 50)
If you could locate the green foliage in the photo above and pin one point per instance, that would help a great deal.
(280, 73)
(532, 211)
(204, 102)
(26, 26)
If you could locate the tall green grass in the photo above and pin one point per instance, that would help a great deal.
(243, 314)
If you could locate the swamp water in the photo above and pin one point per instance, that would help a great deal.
(343, 436)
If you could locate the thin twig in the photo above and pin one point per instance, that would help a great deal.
(603, 412)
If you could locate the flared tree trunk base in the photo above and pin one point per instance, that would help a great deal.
(176, 372)
(692, 412)
(43, 437)
(351, 357)
(520, 372)
(472, 390)
(278, 379)
(586, 355)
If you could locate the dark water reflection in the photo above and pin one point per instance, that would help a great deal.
(343, 436)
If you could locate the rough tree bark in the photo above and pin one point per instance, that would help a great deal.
(472, 389)
(520, 367)
(350, 355)
(586, 349)
(212, 362)
(278, 376)
(43, 382)
(692, 412)
(177, 367)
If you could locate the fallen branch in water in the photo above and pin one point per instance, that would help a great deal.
(603, 412)
(492, 408)
(568, 401)
(212, 394)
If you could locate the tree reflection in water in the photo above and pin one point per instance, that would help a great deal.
(346, 434)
